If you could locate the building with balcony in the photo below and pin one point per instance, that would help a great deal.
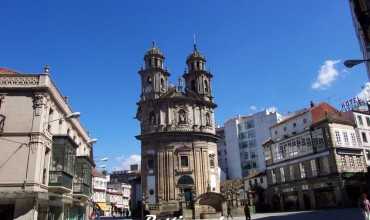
(244, 136)
(45, 152)
(100, 186)
(129, 181)
(314, 160)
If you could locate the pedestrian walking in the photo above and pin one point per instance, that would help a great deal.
(365, 206)
(229, 212)
(247, 212)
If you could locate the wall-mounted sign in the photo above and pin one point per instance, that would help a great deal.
(353, 103)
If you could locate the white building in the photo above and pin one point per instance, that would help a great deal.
(100, 184)
(244, 136)
(362, 121)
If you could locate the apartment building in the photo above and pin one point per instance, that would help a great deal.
(314, 160)
(45, 152)
(244, 136)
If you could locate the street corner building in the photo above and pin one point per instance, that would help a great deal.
(45, 153)
(315, 159)
(180, 173)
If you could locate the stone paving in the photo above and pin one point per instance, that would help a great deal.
(333, 214)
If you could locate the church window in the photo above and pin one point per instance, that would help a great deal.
(208, 119)
(182, 117)
(212, 160)
(184, 161)
(149, 80)
(150, 163)
(193, 85)
(206, 86)
(162, 83)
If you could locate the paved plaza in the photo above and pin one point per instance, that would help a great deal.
(334, 214)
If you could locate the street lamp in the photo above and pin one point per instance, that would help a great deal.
(92, 141)
(68, 117)
(352, 63)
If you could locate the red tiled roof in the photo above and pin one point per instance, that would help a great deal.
(320, 111)
(96, 173)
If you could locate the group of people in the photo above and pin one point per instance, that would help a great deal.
(247, 212)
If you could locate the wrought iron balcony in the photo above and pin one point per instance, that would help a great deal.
(60, 179)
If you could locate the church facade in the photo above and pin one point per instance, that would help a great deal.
(178, 140)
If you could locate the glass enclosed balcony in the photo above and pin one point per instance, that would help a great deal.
(61, 179)
(62, 163)
(82, 179)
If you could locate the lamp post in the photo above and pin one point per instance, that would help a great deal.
(352, 63)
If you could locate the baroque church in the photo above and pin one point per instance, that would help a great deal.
(178, 142)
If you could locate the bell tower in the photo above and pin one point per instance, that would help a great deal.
(154, 76)
(197, 78)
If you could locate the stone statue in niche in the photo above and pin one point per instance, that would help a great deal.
(152, 120)
(182, 117)
(208, 119)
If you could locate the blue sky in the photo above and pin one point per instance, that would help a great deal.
(262, 53)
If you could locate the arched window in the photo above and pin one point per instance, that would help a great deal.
(208, 119)
(206, 87)
(193, 85)
(182, 116)
(152, 120)
(162, 84)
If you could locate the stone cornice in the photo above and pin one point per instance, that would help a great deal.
(42, 82)
(165, 135)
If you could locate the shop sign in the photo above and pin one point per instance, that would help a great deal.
(353, 103)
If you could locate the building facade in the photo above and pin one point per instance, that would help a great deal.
(361, 20)
(244, 136)
(222, 153)
(314, 160)
(45, 152)
(362, 121)
(178, 141)
(99, 196)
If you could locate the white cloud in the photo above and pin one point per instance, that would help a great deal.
(365, 92)
(326, 75)
(125, 162)
(253, 108)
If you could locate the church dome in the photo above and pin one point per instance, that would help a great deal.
(195, 55)
(154, 51)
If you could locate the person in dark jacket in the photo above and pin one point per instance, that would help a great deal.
(229, 212)
(247, 212)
